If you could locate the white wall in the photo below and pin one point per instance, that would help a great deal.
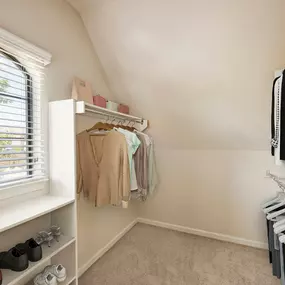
(54, 26)
(213, 190)
(201, 71)
(57, 28)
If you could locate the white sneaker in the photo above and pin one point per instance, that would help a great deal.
(45, 279)
(57, 270)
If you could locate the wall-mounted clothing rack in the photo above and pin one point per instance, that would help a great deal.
(84, 108)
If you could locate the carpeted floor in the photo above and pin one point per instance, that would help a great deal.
(149, 255)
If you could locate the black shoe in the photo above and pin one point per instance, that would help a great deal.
(32, 248)
(14, 259)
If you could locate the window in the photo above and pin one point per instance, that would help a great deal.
(23, 116)
(21, 145)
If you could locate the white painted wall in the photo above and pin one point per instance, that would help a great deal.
(201, 71)
(213, 190)
(57, 28)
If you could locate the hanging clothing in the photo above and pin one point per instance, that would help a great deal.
(282, 255)
(133, 177)
(153, 177)
(274, 245)
(141, 166)
(282, 118)
(103, 173)
(133, 144)
(275, 110)
(278, 119)
(152, 172)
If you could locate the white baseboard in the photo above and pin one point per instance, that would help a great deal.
(203, 233)
(174, 227)
(108, 246)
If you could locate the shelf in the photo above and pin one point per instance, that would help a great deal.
(86, 108)
(83, 107)
(16, 214)
(12, 278)
(67, 281)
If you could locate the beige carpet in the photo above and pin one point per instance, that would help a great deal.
(153, 256)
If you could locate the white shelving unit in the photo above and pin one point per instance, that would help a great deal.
(57, 203)
(53, 205)
(55, 210)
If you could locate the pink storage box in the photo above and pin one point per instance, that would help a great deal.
(124, 109)
(99, 101)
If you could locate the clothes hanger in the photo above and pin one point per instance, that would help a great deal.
(279, 223)
(132, 127)
(127, 127)
(272, 200)
(112, 123)
(282, 238)
(280, 228)
(109, 125)
(276, 179)
(276, 214)
(279, 203)
(120, 125)
(100, 126)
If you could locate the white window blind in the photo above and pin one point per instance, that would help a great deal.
(22, 148)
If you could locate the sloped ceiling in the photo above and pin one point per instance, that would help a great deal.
(200, 70)
(77, 4)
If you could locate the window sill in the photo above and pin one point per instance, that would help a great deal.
(11, 190)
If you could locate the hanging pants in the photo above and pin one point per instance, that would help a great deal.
(269, 242)
(274, 250)
(282, 255)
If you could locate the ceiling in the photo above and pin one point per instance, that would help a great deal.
(200, 70)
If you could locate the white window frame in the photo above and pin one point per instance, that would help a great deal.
(24, 49)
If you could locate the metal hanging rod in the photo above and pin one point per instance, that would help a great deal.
(115, 116)
(276, 179)
(83, 107)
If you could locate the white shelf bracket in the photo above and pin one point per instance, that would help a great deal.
(80, 107)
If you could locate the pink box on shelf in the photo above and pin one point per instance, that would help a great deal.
(124, 109)
(99, 101)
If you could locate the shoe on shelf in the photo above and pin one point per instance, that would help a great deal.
(45, 279)
(57, 270)
(32, 248)
(53, 233)
(56, 232)
(14, 259)
(44, 237)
